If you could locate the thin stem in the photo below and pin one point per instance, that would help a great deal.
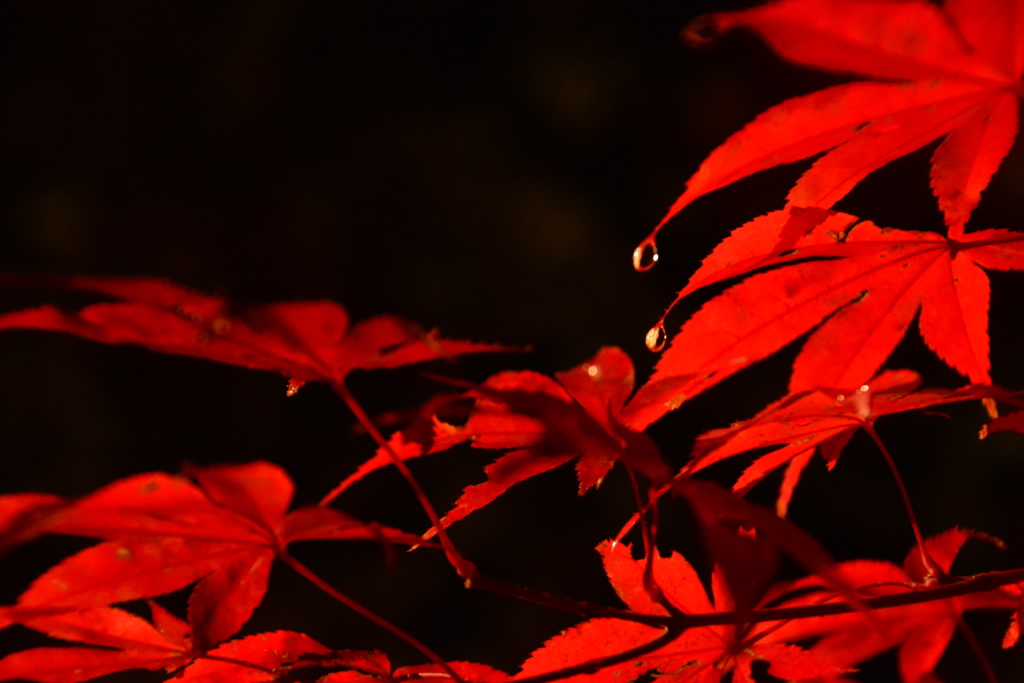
(645, 531)
(587, 610)
(651, 586)
(313, 578)
(464, 567)
(652, 499)
(974, 584)
(599, 663)
(933, 569)
(976, 648)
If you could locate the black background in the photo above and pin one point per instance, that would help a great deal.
(482, 167)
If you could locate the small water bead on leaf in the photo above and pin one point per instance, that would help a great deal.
(656, 338)
(645, 255)
(293, 386)
(861, 400)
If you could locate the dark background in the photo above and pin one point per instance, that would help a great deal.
(482, 167)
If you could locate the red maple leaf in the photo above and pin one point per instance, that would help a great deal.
(867, 286)
(279, 655)
(921, 631)
(952, 71)
(302, 340)
(548, 421)
(163, 532)
(704, 654)
(821, 420)
(122, 641)
(1014, 422)
(293, 656)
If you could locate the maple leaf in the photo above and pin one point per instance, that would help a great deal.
(275, 656)
(704, 654)
(302, 340)
(952, 71)
(294, 656)
(163, 533)
(867, 285)
(124, 641)
(821, 420)
(548, 421)
(1014, 422)
(921, 631)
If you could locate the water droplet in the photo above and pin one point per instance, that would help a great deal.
(293, 386)
(840, 398)
(645, 255)
(864, 388)
(656, 338)
(592, 370)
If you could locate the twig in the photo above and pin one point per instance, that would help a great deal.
(313, 578)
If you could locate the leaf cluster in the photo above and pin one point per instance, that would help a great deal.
(931, 72)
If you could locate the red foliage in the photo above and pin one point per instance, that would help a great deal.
(951, 71)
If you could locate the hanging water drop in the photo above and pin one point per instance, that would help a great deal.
(656, 338)
(645, 255)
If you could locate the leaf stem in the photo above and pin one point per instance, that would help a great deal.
(587, 610)
(933, 569)
(973, 584)
(976, 648)
(315, 579)
(649, 533)
(599, 663)
(464, 567)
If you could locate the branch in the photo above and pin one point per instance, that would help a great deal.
(313, 578)
(464, 567)
(965, 586)
(934, 570)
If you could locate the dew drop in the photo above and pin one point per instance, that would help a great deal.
(645, 255)
(840, 398)
(293, 386)
(864, 388)
(592, 370)
(656, 338)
